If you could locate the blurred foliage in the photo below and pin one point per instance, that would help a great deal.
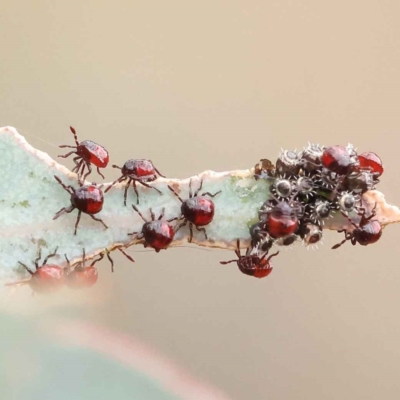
(36, 366)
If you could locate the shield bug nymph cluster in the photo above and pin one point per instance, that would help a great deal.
(197, 211)
(307, 188)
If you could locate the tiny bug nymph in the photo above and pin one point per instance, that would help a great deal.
(371, 162)
(141, 171)
(339, 159)
(82, 276)
(86, 199)
(47, 277)
(87, 153)
(281, 218)
(157, 234)
(196, 210)
(368, 231)
(252, 264)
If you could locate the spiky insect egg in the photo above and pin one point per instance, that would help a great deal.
(348, 202)
(288, 163)
(313, 234)
(311, 158)
(281, 188)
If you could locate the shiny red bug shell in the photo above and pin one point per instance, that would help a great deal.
(337, 159)
(368, 233)
(82, 277)
(253, 266)
(47, 278)
(88, 199)
(93, 153)
(140, 169)
(281, 221)
(371, 161)
(281, 226)
(198, 210)
(158, 234)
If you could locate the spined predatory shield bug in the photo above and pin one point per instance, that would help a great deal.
(371, 162)
(87, 153)
(137, 171)
(82, 276)
(196, 210)
(86, 199)
(157, 234)
(368, 231)
(252, 263)
(339, 159)
(280, 217)
(47, 277)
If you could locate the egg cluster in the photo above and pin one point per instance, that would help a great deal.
(307, 188)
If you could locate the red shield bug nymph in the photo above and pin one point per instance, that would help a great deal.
(157, 234)
(280, 219)
(82, 276)
(141, 171)
(252, 263)
(196, 210)
(87, 199)
(87, 153)
(47, 277)
(339, 159)
(367, 232)
(371, 162)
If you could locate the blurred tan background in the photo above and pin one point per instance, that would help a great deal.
(219, 85)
